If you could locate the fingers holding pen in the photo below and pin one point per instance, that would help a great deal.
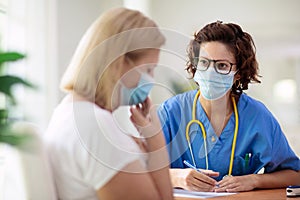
(206, 183)
(198, 181)
(210, 173)
(203, 177)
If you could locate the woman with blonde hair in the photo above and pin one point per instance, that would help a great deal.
(90, 156)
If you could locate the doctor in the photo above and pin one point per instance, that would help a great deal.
(229, 137)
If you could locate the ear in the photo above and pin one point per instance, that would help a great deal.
(237, 76)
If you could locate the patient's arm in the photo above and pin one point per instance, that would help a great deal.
(125, 185)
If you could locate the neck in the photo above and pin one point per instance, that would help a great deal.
(219, 106)
(108, 98)
(108, 103)
(218, 111)
(73, 96)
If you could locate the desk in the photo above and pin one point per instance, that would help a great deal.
(273, 194)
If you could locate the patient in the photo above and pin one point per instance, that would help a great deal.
(91, 157)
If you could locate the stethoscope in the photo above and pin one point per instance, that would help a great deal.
(194, 120)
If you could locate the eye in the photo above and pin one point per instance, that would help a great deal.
(203, 62)
(223, 65)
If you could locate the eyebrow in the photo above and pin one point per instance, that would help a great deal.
(217, 59)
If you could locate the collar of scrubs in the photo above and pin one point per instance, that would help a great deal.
(194, 120)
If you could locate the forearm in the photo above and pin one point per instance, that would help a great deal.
(161, 180)
(148, 124)
(158, 165)
(277, 179)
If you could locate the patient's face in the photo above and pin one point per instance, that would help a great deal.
(146, 64)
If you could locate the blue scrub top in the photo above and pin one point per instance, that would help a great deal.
(259, 133)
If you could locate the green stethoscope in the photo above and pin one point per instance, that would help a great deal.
(194, 120)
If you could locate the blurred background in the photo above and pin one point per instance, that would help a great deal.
(48, 31)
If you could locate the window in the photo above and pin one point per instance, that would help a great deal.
(30, 29)
(3, 19)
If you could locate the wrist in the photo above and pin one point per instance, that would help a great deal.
(148, 131)
(255, 180)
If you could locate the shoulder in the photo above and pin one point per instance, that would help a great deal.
(88, 133)
(248, 103)
(253, 110)
(176, 105)
(86, 127)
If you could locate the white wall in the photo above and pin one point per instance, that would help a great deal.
(48, 33)
(274, 25)
(73, 19)
(29, 30)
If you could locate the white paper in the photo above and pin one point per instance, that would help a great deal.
(199, 195)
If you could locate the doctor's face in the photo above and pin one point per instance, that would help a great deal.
(217, 55)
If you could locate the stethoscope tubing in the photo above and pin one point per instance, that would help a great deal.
(194, 120)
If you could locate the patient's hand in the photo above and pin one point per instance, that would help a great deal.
(145, 119)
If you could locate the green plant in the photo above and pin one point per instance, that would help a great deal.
(7, 82)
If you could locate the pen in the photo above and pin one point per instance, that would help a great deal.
(250, 159)
(191, 166)
(247, 156)
(198, 170)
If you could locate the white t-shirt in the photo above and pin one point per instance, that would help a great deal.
(86, 149)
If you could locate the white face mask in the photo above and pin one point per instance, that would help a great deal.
(212, 84)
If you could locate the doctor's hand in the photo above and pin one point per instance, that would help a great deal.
(236, 184)
(191, 179)
(145, 119)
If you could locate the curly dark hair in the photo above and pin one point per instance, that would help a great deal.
(237, 41)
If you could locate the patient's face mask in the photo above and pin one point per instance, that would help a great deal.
(212, 84)
(138, 94)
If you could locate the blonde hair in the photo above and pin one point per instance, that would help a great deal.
(117, 33)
